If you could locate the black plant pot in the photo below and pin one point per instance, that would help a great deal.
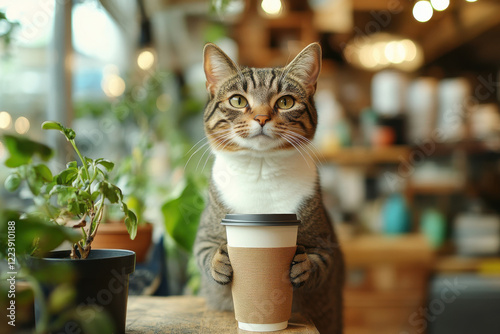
(101, 283)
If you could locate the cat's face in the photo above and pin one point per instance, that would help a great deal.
(263, 110)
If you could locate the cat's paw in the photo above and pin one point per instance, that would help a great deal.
(221, 269)
(300, 269)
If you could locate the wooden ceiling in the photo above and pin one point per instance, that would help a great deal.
(468, 30)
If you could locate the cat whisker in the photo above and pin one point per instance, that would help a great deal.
(194, 153)
(284, 136)
(205, 137)
(299, 144)
(221, 133)
(225, 137)
(309, 145)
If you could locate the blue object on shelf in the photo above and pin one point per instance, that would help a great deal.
(395, 215)
(433, 225)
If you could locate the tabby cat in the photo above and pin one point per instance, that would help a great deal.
(259, 123)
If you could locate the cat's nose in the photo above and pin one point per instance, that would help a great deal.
(262, 119)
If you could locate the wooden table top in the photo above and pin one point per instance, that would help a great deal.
(189, 314)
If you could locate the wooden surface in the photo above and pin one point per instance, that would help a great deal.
(461, 264)
(188, 314)
(386, 282)
(377, 249)
(360, 155)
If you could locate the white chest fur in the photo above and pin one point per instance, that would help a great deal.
(271, 183)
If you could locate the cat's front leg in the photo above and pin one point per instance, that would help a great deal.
(311, 266)
(221, 268)
(300, 269)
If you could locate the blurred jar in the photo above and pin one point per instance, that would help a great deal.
(421, 104)
(453, 97)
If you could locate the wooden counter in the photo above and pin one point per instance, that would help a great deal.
(188, 314)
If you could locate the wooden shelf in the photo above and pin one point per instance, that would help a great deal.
(359, 155)
(457, 263)
(435, 189)
(468, 146)
(376, 249)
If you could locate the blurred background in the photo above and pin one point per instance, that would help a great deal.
(408, 137)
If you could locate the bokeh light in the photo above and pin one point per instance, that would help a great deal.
(422, 11)
(22, 125)
(5, 120)
(272, 7)
(113, 85)
(146, 59)
(440, 5)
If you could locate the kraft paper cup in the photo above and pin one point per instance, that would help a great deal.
(261, 248)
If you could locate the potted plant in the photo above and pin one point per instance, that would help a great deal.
(72, 203)
(132, 177)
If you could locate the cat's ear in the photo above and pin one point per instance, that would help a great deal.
(306, 66)
(218, 67)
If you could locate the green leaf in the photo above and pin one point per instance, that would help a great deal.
(67, 176)
(16, 161)
(131, 224)
(51, 125)
(69, 133)
(22, 150)
(111, 192)
(61, 298)
(72, 164)
(76, 207)
(100, 322)
(84, 195)
(35, 182)
(44, 172)
(64, 194)
(182, 215)
(45, 272)
(94, 195)
(31, 230)
(106, 164)
(13, 182)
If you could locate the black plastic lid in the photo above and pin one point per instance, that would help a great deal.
(267, 219)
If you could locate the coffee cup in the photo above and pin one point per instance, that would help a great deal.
(261, 248)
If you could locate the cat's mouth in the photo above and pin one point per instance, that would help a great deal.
(259, 140)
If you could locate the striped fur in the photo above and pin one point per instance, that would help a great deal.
(268, 167)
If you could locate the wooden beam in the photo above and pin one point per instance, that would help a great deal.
(469, 21)
(369, 5)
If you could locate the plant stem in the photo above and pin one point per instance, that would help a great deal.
(72, 141)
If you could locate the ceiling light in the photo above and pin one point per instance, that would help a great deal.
(395, 52)
(422, 11)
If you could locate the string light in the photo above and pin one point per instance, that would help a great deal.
(395, 52)
(440, 5)
(422, 11)
(384, 50)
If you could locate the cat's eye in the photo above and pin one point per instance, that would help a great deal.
(238, 101)
(285, 102)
